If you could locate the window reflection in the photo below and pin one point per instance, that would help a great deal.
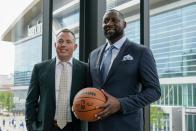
(173, 42)
(66, 15)
(26, 34)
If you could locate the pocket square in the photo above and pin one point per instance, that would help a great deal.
(127, 57)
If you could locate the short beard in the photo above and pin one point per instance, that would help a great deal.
(111, 35)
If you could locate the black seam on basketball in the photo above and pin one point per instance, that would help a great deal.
(85, 110)
(91, 98)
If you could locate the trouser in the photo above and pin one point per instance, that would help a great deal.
(68, 127)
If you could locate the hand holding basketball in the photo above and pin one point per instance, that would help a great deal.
(85, 103)
(110, 107)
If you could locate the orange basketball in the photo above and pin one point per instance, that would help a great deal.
(85, 102)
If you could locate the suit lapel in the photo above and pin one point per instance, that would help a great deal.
(117, 60)
(51, 73)
(100, 55)
(98, 61)
(74, 71)
(50, 77)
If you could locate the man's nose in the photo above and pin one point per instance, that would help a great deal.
(63, 44)
(110, 22)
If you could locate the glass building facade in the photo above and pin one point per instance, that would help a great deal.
(172, 40)
(27, 54)
(173, 43)
(66, 15)
(27, 37)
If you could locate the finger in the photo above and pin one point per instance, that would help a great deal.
(104, 105)
(104, 113)
(103, 116)
(105, 93)
(100, 113)
(75, 115)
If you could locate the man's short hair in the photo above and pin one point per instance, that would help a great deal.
(120, 14)
(66, 30)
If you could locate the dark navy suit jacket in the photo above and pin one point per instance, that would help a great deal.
(41, 100)
(134, 81)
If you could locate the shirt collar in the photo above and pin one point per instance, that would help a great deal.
(118, 44)
(58, 61)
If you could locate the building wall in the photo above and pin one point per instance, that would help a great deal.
(27, 53)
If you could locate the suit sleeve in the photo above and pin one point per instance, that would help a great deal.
(31, 104)
(150, 86)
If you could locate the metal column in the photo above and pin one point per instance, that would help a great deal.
(91, 35)
(47, 29)
(145, 40)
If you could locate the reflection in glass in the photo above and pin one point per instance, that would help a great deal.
(173, 43)
(66, 15)
(26, 34)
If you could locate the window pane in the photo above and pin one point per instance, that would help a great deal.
(25, 32)
(130, 9)
(66, 15)
(173, 43)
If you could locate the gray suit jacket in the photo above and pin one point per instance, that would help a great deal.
(132, 79)
(41, 101)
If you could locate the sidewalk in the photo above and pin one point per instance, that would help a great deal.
(9, 126)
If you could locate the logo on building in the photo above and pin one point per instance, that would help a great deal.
(34, 30)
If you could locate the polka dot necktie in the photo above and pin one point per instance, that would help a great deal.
(62, 100)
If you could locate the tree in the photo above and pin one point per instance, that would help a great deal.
(6, 100)
(157, 117)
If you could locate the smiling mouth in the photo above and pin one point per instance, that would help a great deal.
(107, 29)
(63, 50)
(110, 31)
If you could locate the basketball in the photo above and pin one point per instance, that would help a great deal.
(85, 102)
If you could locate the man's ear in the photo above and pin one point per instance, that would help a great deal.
(75, 46)
(55, 44)
(125, 24)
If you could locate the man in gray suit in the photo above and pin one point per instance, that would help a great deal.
(126, 73)
(53, 86)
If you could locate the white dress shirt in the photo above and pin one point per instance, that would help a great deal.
(115, 51)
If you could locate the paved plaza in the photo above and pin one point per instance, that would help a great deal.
(12, 123)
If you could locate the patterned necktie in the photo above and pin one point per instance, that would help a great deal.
(106, 63)
(62, 100)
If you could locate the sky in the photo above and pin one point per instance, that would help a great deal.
(9, 11)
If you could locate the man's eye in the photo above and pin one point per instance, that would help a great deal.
(115, 20)
(60, 41)
(106, 21)
(69, 42)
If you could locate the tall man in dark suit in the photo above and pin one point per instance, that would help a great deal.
(53, 86)
(126, 73)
